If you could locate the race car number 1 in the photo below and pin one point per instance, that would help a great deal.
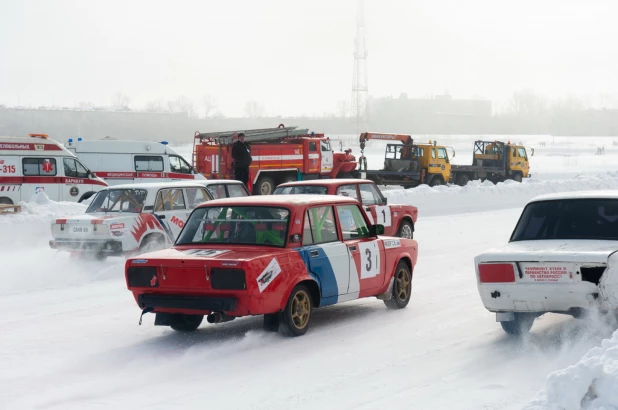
(370, 259)
(384, 215)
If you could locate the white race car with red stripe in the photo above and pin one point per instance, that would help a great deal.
(130, 219)
(561, 258)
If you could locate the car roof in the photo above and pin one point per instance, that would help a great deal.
(157, 185)
(327, 182)
(218, 182)
(578, 195)
(281, 200)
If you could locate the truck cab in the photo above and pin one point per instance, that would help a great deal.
(435, 164)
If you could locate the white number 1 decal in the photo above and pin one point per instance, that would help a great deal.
(383, 214)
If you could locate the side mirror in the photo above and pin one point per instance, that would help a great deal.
(375, 230)
(385, 201)
(161, 216)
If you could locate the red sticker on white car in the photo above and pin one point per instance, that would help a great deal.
(116, 226)
(546, 272)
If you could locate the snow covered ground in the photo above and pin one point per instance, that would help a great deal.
(69, 337)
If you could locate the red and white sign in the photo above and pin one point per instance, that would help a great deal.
(116, 226)
(9, 166)
(547, 272)
(74, 181)
(18, 146)
(47, 166)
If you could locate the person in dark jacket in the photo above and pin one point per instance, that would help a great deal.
(241, 153)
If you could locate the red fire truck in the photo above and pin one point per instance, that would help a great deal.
(281, 154)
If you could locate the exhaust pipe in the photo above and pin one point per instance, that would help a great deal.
(219, 317)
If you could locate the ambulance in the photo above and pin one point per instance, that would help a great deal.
(126, 162)
(34, 164)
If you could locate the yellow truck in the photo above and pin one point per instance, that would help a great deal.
(411, 164)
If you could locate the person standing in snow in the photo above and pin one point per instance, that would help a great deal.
(241, 153)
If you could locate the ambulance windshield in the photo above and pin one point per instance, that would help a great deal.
(595, 219)
(118, 200)
(241, 225)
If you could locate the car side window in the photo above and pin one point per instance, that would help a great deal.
(217, 191)
(179, 165)
(39, 166)
(369, 195)
(169, 200)
(313, 146)
(348, 190)
(352, 223)
(433, 153)
(522, 152)
(195, 196)
(148, 163)
(236, 191)
(319, 226)
(73, 168)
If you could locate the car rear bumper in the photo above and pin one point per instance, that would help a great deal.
(108, 246)
(187, 302)
(546, 297)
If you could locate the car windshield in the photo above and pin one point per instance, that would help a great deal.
(240, 225)
(118, 200)
(301, 189)
(568, 219)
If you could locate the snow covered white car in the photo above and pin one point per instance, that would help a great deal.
(130, 218)
(277, 256)
(561, 258)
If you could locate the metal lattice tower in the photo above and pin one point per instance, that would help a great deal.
(359, 86)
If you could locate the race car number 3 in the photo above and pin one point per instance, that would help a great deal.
(369, 259)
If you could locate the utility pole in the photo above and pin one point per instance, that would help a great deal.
(359, 86)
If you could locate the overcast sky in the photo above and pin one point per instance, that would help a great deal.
(295, 57)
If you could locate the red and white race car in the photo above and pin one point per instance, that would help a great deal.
(562, 258)
(277, 256)
(125, 219)
(398, 220)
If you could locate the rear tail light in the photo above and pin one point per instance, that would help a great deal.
(496, 272)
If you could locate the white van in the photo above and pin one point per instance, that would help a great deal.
(33, 164)
(125, 162)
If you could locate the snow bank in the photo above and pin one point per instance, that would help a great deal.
(479, 197)
(591, 384)
(32, 226)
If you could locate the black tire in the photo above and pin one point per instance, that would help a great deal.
(87, 195)
(517, 177)
(264, 186)
(271, 322)
(6, 201)
(521, 325)
(402, 287)
(463, 180)
(435, 181)
(296, 316)
(152, 244)
(406, 230)
(185, 323)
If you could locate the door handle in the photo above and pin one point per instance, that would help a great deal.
(314, 253)
(352, 248)
(367, 209)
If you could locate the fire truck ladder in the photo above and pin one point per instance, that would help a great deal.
(262, 134)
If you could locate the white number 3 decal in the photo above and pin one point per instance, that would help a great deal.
(370, 259)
